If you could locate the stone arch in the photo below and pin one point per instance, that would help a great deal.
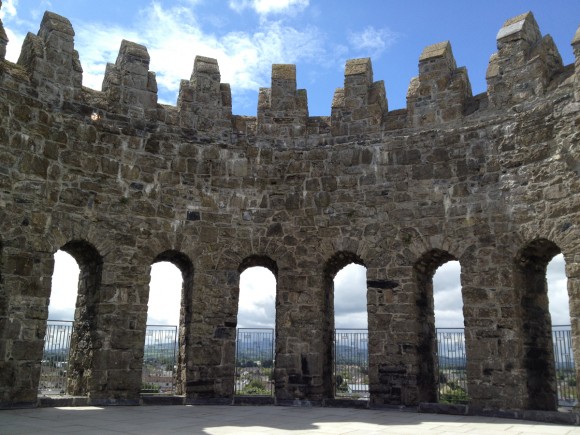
(423, 271)
(85, 337)
(332, 266)
(185, 265)
(260, 261)
(264, 335)
(531, 287)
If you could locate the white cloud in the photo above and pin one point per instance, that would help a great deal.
(174, 37)
(267, 7)
(65, 281)
(447, 296)
(350, 297)
(558, 291)
(257, 302)
(164, 294)
(372, 41)
(8, 9)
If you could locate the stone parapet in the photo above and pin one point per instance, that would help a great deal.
(524, 64)
(52, 61)
(204, 103)
(361, 105)
(440, 92)
(129, 86)
(282, 109)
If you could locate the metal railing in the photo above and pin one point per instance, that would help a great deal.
(254, 362)
(452, 365)
(159, 360)
(564, 365)
(54, 364)
(351, 363)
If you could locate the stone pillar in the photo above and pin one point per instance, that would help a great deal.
(493, 329)
(210, 342)
(52, 61)
(204, 103)
(441, 91)
(129, 85)
(576, 47)
(524, 64)
(360, 106)
(282, 109)
(301, 313)
(395, 351)
(24, 295)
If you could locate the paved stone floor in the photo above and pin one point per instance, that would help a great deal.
(242, 420)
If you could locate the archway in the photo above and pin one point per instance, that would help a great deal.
(84, 338)
(161, 336)
(450, 334)
(348, 345)
(351, 333)
(59, 326)
(168, 323)
(256, 333)
(531, 284)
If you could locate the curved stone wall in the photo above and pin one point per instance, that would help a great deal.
(121, 182)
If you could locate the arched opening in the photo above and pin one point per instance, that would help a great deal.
(450, 334)
(351, 354)
(532, 286)
(77, 264)
(256, 333)
(59, 326)
(428, 352)
(169, 312)
(159, 374)
(345, 365)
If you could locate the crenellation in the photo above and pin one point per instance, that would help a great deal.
(282, 109)
(361, 105)
(441, 91)
(129, 86)
(52, 61)
(524, 64)
(204, 103)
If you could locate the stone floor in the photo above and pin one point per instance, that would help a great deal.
(240, 420)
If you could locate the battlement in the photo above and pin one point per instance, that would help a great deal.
(524, 67)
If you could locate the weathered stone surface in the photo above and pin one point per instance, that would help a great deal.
(121, 182)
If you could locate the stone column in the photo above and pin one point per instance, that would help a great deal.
(24, 294)
(493, 329)
(301, 313)
(211, 340)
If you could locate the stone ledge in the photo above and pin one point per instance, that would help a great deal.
(157, 399)
(254, 400)
(346, 403)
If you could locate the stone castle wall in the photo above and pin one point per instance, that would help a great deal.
(120, 182)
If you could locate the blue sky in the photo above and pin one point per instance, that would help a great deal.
(247, 36)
